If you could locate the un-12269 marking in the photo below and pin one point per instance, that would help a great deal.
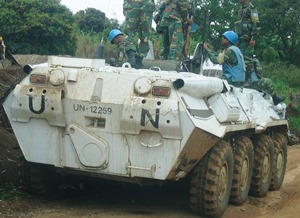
(93, 109)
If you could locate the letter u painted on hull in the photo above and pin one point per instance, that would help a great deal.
(42, 108)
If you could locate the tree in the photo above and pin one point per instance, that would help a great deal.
(91, 20)
(280, 21)
(214, 17)
(38, 27)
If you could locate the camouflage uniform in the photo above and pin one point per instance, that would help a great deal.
(163, 31)
(247, 27)
(138, 23)
(123, 48)
(258, 82)
(264, 84)
(230, 59)
(173, 19)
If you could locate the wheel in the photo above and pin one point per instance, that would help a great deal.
(211, 181)
(37, 178)
(243, 168)
(280, 159)
(262, 166)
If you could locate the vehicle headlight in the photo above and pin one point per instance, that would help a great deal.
(57, 77)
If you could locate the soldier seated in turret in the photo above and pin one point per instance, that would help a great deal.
(233, 66)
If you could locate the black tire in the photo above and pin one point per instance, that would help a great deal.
(37, 178)
(211, 181)
(280, 159)
(262, 166)
(243, 168)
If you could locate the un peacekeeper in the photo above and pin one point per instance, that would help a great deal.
(247, 27)
(2, 49)
(138, 21)
(231, 59)
(234, 70)
(124, 47)
(174, 17)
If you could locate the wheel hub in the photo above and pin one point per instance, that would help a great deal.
(279, 164)
(223, 182)
(245, 173)
(266, 168)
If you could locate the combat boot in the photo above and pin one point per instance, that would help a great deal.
(131, 57)
(278, 99)
(139, 62)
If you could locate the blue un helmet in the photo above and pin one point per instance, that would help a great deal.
(231, 36)
(113, 34)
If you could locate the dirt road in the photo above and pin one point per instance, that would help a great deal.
(119, 200)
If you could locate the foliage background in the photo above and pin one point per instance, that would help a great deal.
(46, 27)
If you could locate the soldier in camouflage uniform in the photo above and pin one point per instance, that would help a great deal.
(118, 38)
(231, 59)
(233, 65)
(247, 27)
(163, 31)
(175, 16)
(139, 14)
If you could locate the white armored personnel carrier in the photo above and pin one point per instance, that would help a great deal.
(82, 117)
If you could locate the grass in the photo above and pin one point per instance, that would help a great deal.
(88, 44)
(283, 75)
(8, 192)
(286, 78)
(295, 123)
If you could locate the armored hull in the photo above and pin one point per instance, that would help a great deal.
(81, 116)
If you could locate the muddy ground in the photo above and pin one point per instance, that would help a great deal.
(106, 199)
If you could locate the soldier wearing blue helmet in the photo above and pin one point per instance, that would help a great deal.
(231, 59)
(125, 48)
(234, 69)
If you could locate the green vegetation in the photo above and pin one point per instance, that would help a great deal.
(280, 28)
(37, 27)
(295, 123)
(88, 44)
(8, 192)
(286, 79)
(47, 27)
(91, 19)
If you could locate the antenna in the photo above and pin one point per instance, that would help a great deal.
(100, 51)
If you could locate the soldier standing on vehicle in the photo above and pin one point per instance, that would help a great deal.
(139, 14)
(176, 15)
(247, 27)
(163, 31)
(2, 49)
(233, 66)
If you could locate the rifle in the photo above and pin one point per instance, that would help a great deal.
(189, 29)
(187, 41)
